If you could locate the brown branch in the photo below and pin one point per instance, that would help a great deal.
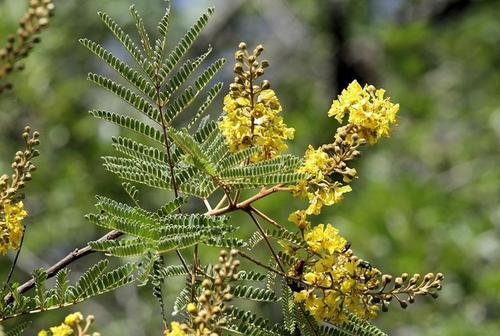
(265, 217)
(81, 252)
(266, 238)
(246, 203)
(68, 259)
(258, 263)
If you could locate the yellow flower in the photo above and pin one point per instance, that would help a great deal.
(299, 217)
(11, 228)
(326, 238)
(310, 277)
(300, 296)
(176, 329)
(315, 162)
(367, 109)
(43, 333)
(315, 237)
(73, 319)
(318, 187)
(61, 330)
(246, 124)
(337, 283)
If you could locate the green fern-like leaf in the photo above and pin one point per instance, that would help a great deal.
(183, 73)
(130, 97)
(139, 23)
(145, 269)
(121, 248)
(62, 285)
(287, 236)
(86, 280)
(17, 330)
(193, 151)
(251, 276)
(254, 293)
(131, 124)
(182, 300)
(248, 323)
(171, 206)
(185, 43)
(40, 276)
(174, 270)
(289, 308)
(127, 72)
(354, 326)
(124, 38)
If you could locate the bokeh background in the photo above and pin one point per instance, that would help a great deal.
(428, 198)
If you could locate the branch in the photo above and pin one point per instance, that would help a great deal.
(68, 259)
(248, 202)
(81, 252)
(265, 217)
(266, 238)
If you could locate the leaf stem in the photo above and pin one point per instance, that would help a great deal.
(266, 238)
(265, 217)
(79, 253)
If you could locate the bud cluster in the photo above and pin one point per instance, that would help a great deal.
(328, 175)
(342, 150)
(208, 313)
(22, 166)
(248, 69)
(19, 45)
(404, 289)
(252, 109)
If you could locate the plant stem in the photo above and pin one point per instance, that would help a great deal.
(164, 125)
(265, 217)
(258, 263)
(114, 234)
(246, 203)
(264, 235)
(68, 259)
(14, 263)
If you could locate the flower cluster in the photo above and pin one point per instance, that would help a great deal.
(72, 323)
(207, 313)
(252, 111)
(11, 227)
(367, 109)
(11, 208)
(177, 329)
(330, 281)
(336, 282)
(327, 173)
(18, 47)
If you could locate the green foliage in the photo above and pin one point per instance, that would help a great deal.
(16, 331)
(157, 232)
(143, 153)
(95, 281)
(254, 293)
(354, 326)
(248, 323)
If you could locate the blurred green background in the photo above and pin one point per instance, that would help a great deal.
(428, 198)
